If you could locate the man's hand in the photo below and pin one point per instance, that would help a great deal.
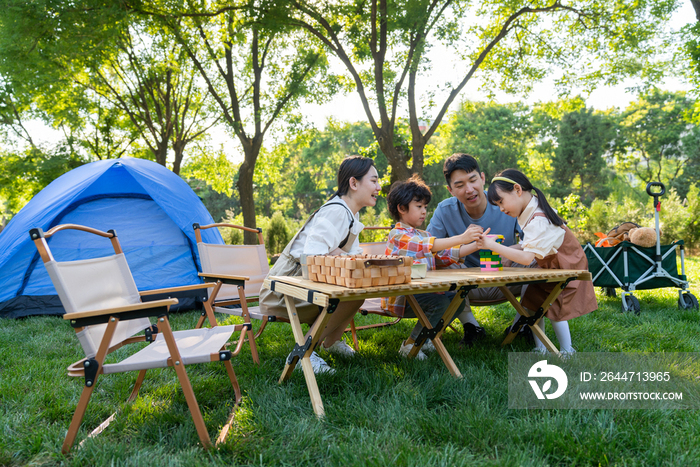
(473, 233)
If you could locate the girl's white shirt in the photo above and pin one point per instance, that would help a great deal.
(541, 237)
(326, 230)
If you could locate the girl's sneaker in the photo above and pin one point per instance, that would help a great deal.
(318, 364)
(406, 349)
(340, 348)
(428, 346)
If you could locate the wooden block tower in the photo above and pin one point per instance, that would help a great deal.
(490, 260)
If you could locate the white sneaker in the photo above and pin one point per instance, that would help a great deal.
(340, 348)
(318, 364)
(406, 348)
(428, 346)
(541, 350)
(567, 354)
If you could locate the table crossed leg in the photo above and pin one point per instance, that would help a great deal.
(558, 288)
(437, 340)
(304, 348)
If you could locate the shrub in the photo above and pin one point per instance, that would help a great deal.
(673, 217)
(603, 215)
(232, 236)
(574, 212)
(277, 234)
(370, 219)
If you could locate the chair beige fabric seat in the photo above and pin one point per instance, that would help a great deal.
(195, 346)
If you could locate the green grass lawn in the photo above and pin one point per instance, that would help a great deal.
(380, 409)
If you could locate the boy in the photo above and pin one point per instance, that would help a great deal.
(408, 201)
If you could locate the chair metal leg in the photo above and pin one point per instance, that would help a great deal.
(87, 390)
(77, 419)
(353, 332)
(137, 386)
(246, 318)
(262, 326)
(237, 390)
(197, 418)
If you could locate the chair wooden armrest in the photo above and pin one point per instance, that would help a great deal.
(175, 289)
(121, 309)
(224, 277)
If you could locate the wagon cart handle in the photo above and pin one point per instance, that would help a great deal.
(384, 262)
(656, 195)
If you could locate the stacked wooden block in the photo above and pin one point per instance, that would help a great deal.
(490, 260)
(360, 270)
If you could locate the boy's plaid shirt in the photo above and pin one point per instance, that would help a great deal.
(404, 240)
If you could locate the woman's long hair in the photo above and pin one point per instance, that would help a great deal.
(352, 166)
(520, 178)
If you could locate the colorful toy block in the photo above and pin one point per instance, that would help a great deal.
(490, 260)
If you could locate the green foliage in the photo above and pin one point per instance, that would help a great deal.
(24, 174)
(674, 218)
(578, 159)
(574, 212)
(692, 203)
(277, 230)
(677, 219)
(303, 169)
(277, 235)
(214, 169)
(660, 140)
(495, 134)
(603, 215)
(218, 204)
(371, 218)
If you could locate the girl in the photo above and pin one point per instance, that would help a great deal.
(332, 229)
(548, 240)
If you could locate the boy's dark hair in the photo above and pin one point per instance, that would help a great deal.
(522, 180)
(459, 161)
(402, 193)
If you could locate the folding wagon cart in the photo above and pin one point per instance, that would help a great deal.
(632, 267)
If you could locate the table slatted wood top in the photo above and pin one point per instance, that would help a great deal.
(435, 281)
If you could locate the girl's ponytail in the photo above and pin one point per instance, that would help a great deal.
(506, 180)
(547, 209)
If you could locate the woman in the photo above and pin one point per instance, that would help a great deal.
(332, 229)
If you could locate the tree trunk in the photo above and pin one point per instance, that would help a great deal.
(179, 150)
(161, 152)
(696, 6)
(398, 159)
(245, 192)
(418, 146)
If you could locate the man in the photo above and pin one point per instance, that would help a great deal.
(469, 208)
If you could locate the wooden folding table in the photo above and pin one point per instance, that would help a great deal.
(328, 296)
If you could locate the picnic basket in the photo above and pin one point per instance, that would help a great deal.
(356, 271)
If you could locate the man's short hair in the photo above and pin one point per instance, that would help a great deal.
(403, 192)
(459, 161)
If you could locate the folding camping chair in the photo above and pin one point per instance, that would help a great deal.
(105, 308)
(237, 272)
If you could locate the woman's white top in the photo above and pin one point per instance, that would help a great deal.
(541, 237)
(326, 230)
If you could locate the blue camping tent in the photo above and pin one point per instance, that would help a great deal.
(151, 209)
